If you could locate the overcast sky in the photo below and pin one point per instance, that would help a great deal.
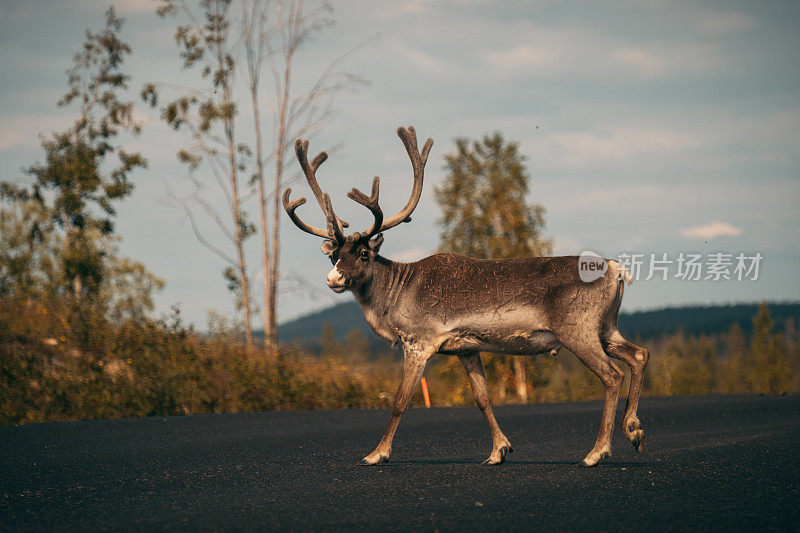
(650, 127)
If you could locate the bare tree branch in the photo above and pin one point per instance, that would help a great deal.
(209, 116)
(199, 234)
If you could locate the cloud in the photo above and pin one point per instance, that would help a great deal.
(723, 23)
(671, 60)
(522, 56)
(415, 6)
(644, 61)
(423, 60)
(420, 61)
(710, 231)
(716, 145)
(24, 130)
(574, 50)
(620, 143)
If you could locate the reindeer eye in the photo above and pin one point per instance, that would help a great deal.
(364, 256)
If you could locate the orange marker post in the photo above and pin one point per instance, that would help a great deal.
(424, 384)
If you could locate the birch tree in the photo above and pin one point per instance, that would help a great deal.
(274, 33)
(209, 116)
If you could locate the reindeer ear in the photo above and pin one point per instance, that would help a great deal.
(375, 243)
(328, 247)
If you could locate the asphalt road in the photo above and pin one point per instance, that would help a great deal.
(714, 463)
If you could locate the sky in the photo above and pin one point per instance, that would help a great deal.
(649, 127)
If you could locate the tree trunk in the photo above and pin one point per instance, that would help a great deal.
(280, 146)
(501, 389)
(239, 237)
(272, 304)
(269, 331)
(76, 282)
(520, 381)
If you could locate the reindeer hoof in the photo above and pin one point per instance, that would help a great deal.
(595, 457)
(633, 431)
(638, 441)
(494, 461)
(375, 459)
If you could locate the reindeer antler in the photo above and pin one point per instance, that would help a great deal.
(290, 208)
(371, 203)
(335, 224)
(418, 160)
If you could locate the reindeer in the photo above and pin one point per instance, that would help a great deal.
(455, 305)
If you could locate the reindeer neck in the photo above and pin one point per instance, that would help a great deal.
(385, 289)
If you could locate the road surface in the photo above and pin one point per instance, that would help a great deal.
(713, 463)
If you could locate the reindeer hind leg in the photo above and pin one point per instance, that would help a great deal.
(636, 358)
(590, 352)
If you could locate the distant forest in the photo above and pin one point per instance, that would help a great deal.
(307, 330)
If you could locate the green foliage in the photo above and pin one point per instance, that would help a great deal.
(725, 363)
(484, 206)
(29, 251)
(128, 288)
(206, 46)
(733, 366)
(75, 188)
(74, 159)
(31, 260)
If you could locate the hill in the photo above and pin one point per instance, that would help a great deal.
(691, 319)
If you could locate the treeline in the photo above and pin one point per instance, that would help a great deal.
(703, 319)
(645, 324)
(62, 361)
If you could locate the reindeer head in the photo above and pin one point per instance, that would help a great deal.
(353, 256)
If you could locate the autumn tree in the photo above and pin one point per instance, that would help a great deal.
(486, 214)
(736, 348)
(485, 210)
(30, 251)
(767, 368)
(330, 348)
(77, 185)
(58, 245)
(209, 116)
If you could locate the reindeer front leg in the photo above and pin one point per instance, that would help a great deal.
(414, 362)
